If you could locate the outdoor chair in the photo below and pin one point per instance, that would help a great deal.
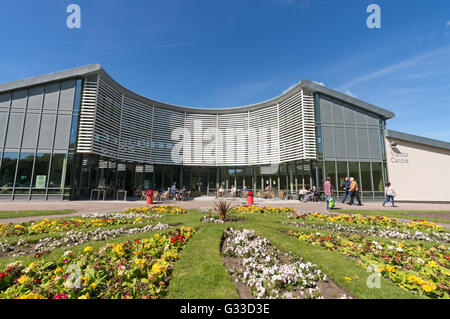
(143, 195)
(165, 196)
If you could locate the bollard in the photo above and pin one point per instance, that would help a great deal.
(149, 197)
(250, 199)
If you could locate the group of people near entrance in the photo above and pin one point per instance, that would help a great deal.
(351, 188)
(176, 194)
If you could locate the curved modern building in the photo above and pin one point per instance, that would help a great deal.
(65, 134)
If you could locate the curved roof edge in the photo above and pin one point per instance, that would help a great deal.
(97, 69)
(417, 139)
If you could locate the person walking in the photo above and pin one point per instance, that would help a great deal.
(328, 188)
(173, 190)
(346, 186)
(389, 193)
(354, 192)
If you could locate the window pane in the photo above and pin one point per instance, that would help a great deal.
(40, 177)
(306, 175)
(57, 172)
(341, 172)
(353, 169)
(7, 172)
(377, 177)
(74, 131)
(366, 176)
(24, 170)
(330, 171)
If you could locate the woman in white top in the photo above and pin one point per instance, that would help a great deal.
(389, 192)
(233, 191)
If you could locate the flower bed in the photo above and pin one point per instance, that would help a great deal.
(211, 219)
(369, 220)
(376, 231)
(131, 269)
(161, 209)
(266, 271)
(61, 225)
(71, 238)
(411, 266)
(252, 209)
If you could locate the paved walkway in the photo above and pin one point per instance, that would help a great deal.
(83, 207)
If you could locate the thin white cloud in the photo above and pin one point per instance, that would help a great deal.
(290, 87)
(448, 23)
(348, 92)
(395, 67)
(320, 83)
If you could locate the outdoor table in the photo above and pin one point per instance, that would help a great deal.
(124, 192)
(103, 191)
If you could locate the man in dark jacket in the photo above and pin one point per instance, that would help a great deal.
(346, 186)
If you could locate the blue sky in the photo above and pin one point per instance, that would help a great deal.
(210, 53)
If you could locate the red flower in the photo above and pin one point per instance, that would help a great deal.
(447, 257)
(137, 241)
(36, 255)
(36, 281)
(60, 296)
(3, 275)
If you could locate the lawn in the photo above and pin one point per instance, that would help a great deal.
(28, 213)
(199, 270)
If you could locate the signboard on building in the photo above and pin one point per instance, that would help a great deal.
(41, 181)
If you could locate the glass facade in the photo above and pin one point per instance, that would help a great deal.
(39, 140)
(39, 160)
(351, 144)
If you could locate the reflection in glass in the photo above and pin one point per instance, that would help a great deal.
(366, 177)
(40, 177)
(377, 177)
(7, 172)
(330, 171)
(353, 171)
(24, 170)
(341, 173)
(58, 170)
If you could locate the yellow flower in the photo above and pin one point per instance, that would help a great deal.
(119, 249)
(18, 226)
(391, 269)
(140, 261)
(348, 279)
(93, 285)
(86, 296)
(24, 279)
(157, 268)
(138, 219)
(32, 265)
(432, 264)
(58, 270)
(31, 296)
(428, 287)
(87, 249)
(382, 269)
(419, 281)
(85, 280)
